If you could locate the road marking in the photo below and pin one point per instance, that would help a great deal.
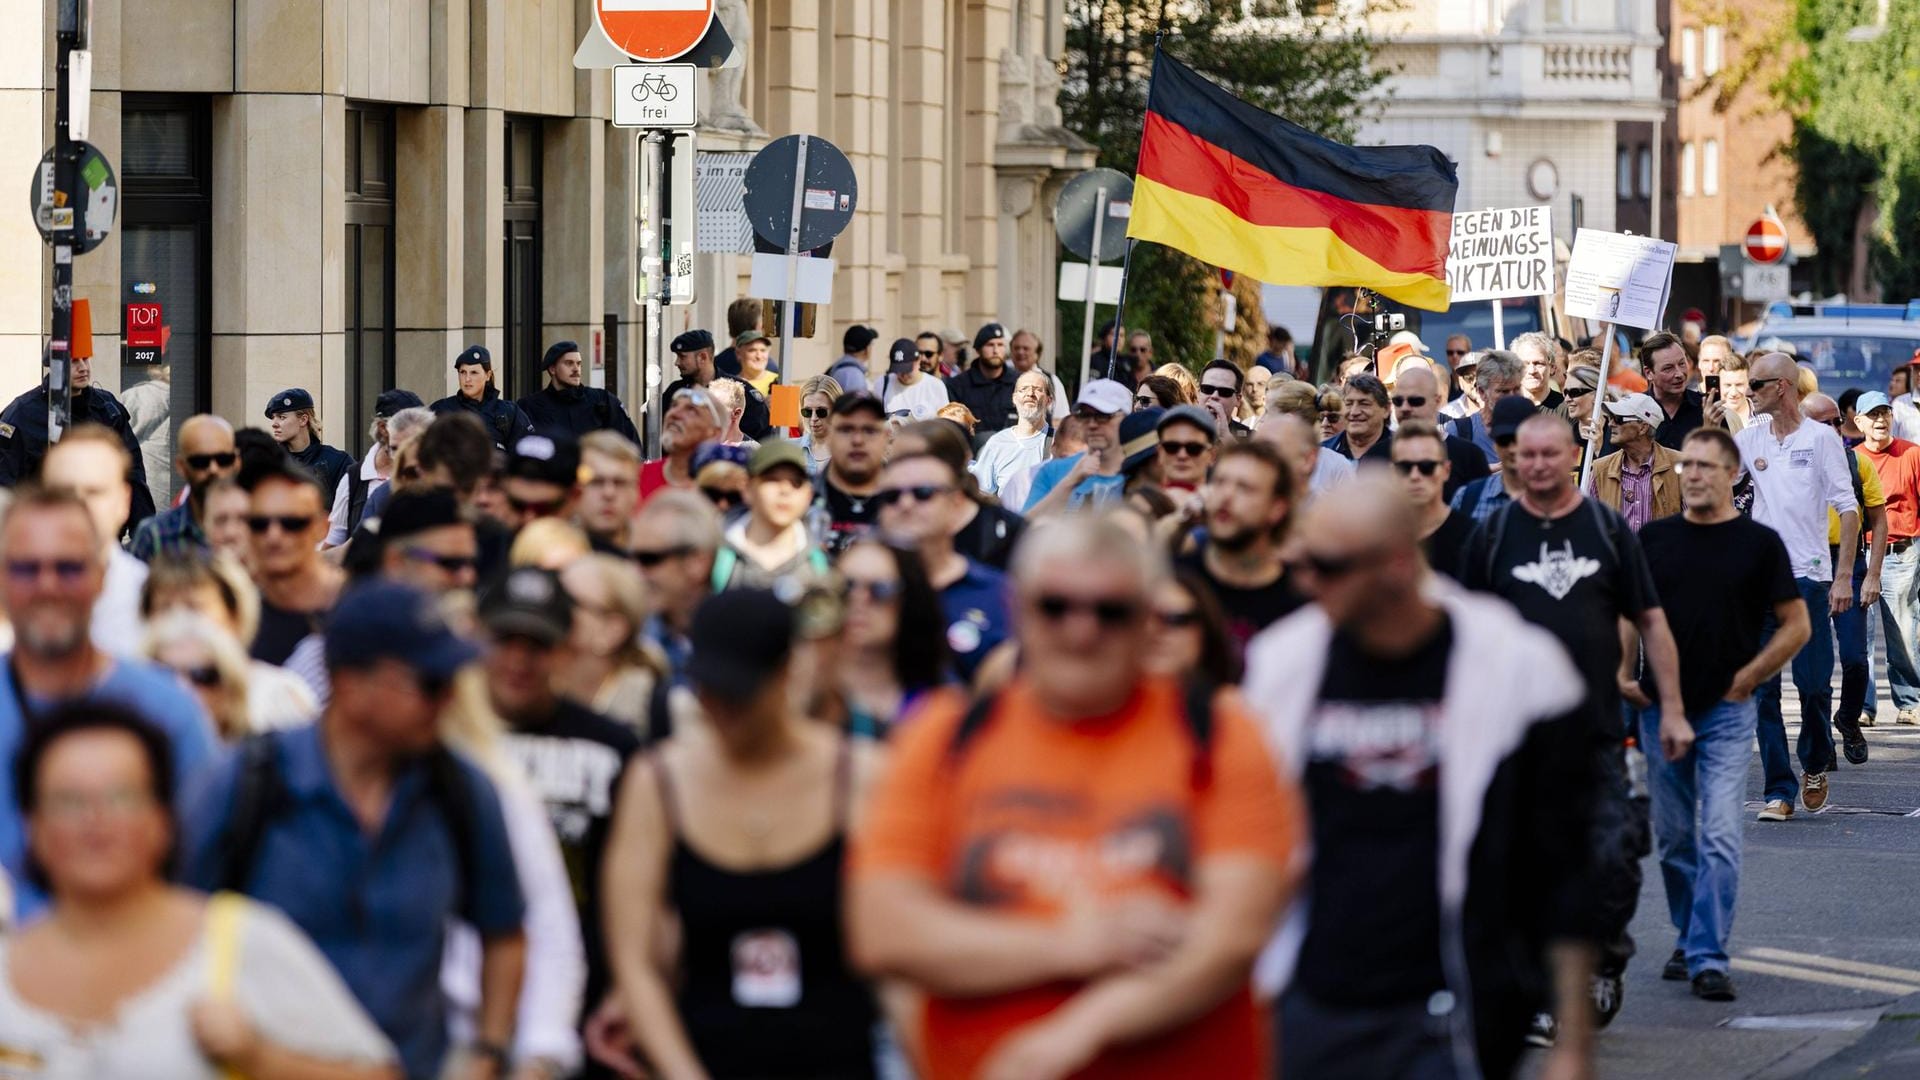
(1797, 1023)
(1855, 967)
(1851, 982)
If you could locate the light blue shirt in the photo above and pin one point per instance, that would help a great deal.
(1006, 455)
(1094, 490)
(153, 692)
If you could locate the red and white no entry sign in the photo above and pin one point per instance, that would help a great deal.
(1766, 240)
(654, 30)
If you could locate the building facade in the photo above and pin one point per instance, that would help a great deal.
(342, 196)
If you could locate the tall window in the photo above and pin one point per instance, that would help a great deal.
(522, 265)
(166, 147)
(1710, 168)
(1686, 169)
(1689, 49)
(953, 172)
(1643, 169)
(1710, 61)
(369, 267)
(1622, 172)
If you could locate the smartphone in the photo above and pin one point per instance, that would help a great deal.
(1713, 385)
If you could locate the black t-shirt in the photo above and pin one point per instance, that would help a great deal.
(1691, 414)
(1717, 583)
(574, 762)
(281, 630)
(990, 536)
(849, 517)
(1576, 576)
(1469, 464)
(1373, 780)
(1248, 611)
(1445, 545)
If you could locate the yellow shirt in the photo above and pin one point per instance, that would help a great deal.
(764, 383)
(1869, 486)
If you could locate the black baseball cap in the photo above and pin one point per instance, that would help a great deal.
(857, 401)
(740, 639)
(1508, 414)
(392, 401)
(381, 620)
(902, 357)
(548, 459)
(528, 602)
(858, 337)
(413, 512)
(474, 354)
(286, 401)
(692, 341)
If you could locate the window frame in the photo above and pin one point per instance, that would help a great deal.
(365, 208)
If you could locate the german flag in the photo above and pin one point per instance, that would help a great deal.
(1240, 188)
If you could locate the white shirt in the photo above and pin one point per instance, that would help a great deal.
(1015, 489)
(1330, 470)
(117, 627)
(1006, 453)
(1906, 418)
(1795, 480)
(921, 401)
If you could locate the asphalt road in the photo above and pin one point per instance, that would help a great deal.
(1826, 940)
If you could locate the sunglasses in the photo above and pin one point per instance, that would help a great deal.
(723, 496)
(879, 592)
(655, 558)
(203, 462)
(1110, 614)
(1504, 441)
(1328, 416)
(1145, 401)
(536, 507)
(1424, 468)
(206, 676)
(1219, 391)
(919, 493)
(1574, 393)
(289, 523)
(925, 354)
(69, 571)
(1332, 567)
(1416, 401)
(452, 564)
(1184, 449)
(1754, 385)
(1456, 352)
(1178, 620)
(818, 412)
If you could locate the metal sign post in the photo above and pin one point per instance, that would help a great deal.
(1093, 275)
(646, 384)
(71, 35)
(1600, 395)
(793, 248)
(1499, 324)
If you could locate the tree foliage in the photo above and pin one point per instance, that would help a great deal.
(1307, 60)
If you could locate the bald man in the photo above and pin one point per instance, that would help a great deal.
(1799, 472)
(1417, 396)
(206, 454)
(1356, 691)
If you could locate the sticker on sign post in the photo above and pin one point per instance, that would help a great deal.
(819, 200)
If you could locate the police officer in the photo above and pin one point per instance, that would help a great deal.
(23, 434)
(503, 420)
(567, 406)
(693, 355)
(296, 427)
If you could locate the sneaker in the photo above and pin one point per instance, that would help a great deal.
(1908, 717)
(1608, 992)
(1713, 986)
(1676, 969)
(1776, 810)
(1867, 718)
(1853, 743)
(1541, 1031)
(1813, 792)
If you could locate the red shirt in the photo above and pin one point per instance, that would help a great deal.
(1898, 467)
(653, 478)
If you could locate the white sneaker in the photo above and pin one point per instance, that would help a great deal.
(1776, 810)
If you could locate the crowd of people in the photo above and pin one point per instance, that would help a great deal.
(1212, 723)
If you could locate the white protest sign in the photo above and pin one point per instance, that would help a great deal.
(1618, 278)
(1498, 253)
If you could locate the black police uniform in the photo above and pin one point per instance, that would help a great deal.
(329, 463)
(23, 440)
(576, 410)
(504, 421)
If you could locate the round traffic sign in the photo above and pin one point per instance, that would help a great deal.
(827, 199)
(1073, 213)
(654, 30)
(1766, 241)
(54, 217)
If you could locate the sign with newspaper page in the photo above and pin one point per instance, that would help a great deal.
(1619, 278)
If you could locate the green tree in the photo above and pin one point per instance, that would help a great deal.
(1307, 60)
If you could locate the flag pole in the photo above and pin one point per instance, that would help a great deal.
(1126, 260)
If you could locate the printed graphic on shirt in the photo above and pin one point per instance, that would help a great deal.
(766, 970)
(1011, 864)
(1557, 572)
(1378, 745)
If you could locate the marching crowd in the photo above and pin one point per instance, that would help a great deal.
(1217, 724)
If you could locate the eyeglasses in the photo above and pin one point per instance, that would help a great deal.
(925, 354)
(1456, 352)
(655, 558)
(1836, 423)
(203, 462)
(288, 523)
(1757, 385)
(879, 592)
(452, 564)
(206, 675)
(1219, 391)
(1417, 401)
(918, 492)
(1424, 468)
(1108, 613)
(1178, 620)
(723, 497)
(75, 806)
(818, 412)
(1184, 449)
(1574, 393)
(536, 507)
(27, 571)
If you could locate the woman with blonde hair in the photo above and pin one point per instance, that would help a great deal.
(218, 589)
(208, 659)
(548, 543)
(1189, 386)
(817, 396)
(607, 669)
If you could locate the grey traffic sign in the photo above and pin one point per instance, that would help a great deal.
(99, 190)
(1073, 214)
(825, 201)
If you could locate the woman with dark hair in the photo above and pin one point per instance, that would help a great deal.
(991, 530)
(895, 639)
(130, 976)
(1190, 632)
(1157, 392)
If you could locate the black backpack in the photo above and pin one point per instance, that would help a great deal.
(260, 795)
(1197, 712)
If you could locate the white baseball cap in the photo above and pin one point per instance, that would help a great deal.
(1105, 396)
(1636, 407)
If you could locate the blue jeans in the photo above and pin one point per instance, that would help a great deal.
(1812, 680)
(1900, 622)
(1850, 642)
(1697, 809)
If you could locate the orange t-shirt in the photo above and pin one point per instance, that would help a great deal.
(1035, 812)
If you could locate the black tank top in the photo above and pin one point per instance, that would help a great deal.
(766, 991)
